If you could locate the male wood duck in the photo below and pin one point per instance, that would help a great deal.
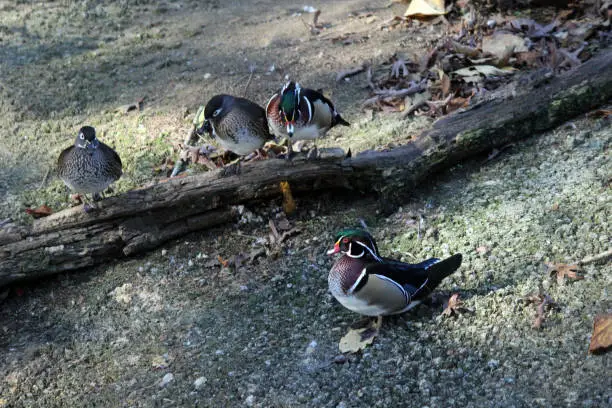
(368, 284)
(238, 124)
(88, 166)
(299, 113)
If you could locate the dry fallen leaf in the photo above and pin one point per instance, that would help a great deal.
(445, 83)
(562, 270)
(224, 262)
(457, 103)
(601, 340)
(39, 212)
(454, 306)
(425, 8)
(600, 113)
(359, 339)
(529, 58)
(499, 44)
(289, 205)
(486, 70)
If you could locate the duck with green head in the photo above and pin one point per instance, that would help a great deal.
(367, 283)
(300, 113)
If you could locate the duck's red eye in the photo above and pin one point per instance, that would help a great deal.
(345, 240)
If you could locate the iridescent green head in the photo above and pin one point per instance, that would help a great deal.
(289, 105)
(355, 243)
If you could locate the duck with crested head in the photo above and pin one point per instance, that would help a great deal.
(298, 113)
(371, 285)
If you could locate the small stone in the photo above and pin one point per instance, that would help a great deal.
(250, 400)
(199, 383)
(164, 252)
(493, 364)
(340, 359)
(311, 347)
(166, 380)
(207, 75)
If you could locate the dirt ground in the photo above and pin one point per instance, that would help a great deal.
(176, 328)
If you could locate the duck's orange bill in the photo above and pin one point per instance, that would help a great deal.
(335, 249)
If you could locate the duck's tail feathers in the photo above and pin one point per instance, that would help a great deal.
(440, 270)
(338, 120)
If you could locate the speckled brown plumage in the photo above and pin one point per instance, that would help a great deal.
(89, 166)
(238, 124)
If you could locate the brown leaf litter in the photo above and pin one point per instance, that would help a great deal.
(454, 306)
(601, 340)
(562, 271)
(40, 211)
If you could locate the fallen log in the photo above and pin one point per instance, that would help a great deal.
(143, 219)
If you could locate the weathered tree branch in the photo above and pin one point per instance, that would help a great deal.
(142, 219)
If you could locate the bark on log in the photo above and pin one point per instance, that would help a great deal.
(142, 219)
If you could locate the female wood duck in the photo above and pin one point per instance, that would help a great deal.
(368, 284)
(301, 114)
(88, 166)
(238, 124)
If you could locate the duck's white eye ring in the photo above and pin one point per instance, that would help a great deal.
(217, 112)
(82, 136)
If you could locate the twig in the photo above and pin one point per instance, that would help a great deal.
(400, 93)
(45, 179)
(349, 72)
(314, 27)
(275, 233)
(408, 111)
(394, 21)
(246, 87)
(496, 152)
(315, 19)
(547, 301)
(572, 57)
(395, 93)
(399, 65)
(288, 234)
(369, 78)
(426, 61)
(436, 106)
(463, 49)
(596, 258)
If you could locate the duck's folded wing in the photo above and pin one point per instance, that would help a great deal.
(404, 273)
